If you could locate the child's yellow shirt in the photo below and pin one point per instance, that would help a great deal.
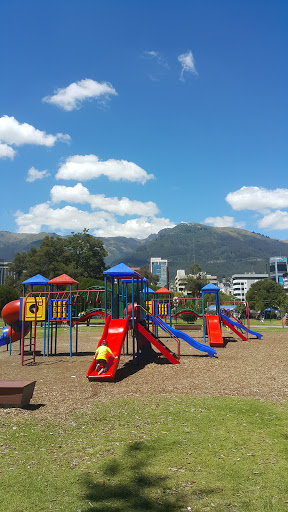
(102, 352)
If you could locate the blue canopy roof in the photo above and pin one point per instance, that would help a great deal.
(210, 288)
(148, 291)
(37, 280)
(120, 271)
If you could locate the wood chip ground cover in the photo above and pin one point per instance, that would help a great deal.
(248, 369)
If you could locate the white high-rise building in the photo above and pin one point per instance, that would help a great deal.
(242, 282)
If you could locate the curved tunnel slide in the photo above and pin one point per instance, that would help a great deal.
(234, 325)
(179, 334)
(10, 315)
(114, 333)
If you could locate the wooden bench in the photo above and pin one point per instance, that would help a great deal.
(188, 327)
(16, 393)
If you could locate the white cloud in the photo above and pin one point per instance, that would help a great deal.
(258, 198)
(274, 220)
(187, 63)
(152, 53)
(88, 167)
(123, 206)
(18, 134)
(33, 174)
(72, 96)
(67, 218)
(6, 151)
(224, 222)
(73, 219)
(135, 228)
(156, 56)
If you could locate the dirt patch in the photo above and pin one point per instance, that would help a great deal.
(254, 368)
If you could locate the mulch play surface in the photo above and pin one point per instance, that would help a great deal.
(247, 369)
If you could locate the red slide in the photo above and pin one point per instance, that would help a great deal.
(158, 344)
(214, 331)
(114, 333)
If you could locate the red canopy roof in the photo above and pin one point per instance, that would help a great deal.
(163, 290)
(63, 279)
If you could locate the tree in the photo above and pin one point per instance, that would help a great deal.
(87, 254)
(194, 285)
(266, 293)
(79, 255)
(195, 280)
(225, 298)
(195, 269)
(152, 279)
(189, 318)
(7, 294)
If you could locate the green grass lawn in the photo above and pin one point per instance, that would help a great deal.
(154, 454)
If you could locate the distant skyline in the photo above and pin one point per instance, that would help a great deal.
(127, 117)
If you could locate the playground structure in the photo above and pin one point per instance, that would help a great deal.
(144, 316)
(222, 316)
(130, 309)
(50, 307)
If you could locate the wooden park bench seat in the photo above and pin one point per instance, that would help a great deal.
(188, 327)
(16, 393)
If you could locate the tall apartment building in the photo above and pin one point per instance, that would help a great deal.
(242, 282)
(160, 268)
(278, 270)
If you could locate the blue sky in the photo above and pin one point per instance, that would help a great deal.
(129, 117)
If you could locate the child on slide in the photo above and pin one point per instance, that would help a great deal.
(101, 356)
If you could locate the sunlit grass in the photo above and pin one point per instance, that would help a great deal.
(157, 454)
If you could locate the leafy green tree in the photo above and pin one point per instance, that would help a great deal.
(152, 279)
(267, 293)
(187, 317)
(89, 282)
(7, 294)
(79, 255)
(225, 298)
(195, 269)
(87, 254)
(194, 285)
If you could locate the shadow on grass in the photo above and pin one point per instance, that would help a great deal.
(128, 486)
(33, 407)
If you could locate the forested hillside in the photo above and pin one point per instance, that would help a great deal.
(219, 251)
(10, 243)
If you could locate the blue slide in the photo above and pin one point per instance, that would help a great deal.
(179, 334)
(241, 326)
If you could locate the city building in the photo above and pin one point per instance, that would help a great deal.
(4, 272)
(226, 286)
(242, 282)
(278, 271)
(160, 268)
(181, 280)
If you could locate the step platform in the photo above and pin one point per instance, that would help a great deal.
(16, 393)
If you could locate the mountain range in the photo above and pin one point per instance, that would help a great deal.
(219, 251)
